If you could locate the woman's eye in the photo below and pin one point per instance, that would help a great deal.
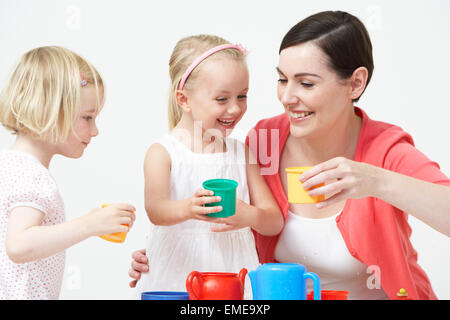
(282, 80)
(307, 84)
(88, 118)
(221, 99)
(242, 96)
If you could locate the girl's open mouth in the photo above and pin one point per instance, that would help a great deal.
(226, 122)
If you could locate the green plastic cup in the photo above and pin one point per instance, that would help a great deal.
(226, 190)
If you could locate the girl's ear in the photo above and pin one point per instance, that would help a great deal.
(182, 101)
(358, 82)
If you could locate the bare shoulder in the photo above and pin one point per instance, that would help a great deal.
(157, 170)
(157, 154)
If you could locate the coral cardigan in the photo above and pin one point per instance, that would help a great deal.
(375, 232)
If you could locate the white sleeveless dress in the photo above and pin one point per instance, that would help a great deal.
(174, 251)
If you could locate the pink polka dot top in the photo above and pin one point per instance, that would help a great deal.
(25, 182)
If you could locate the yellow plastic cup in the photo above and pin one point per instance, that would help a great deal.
(296, 193)
(117, 237)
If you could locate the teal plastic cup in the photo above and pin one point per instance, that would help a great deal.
(226, 190)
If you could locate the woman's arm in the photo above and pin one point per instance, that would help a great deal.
(161, 210)
(27, 240)
(263, 214)
(424, 200)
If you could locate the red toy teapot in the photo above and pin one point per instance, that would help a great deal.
(216, 285)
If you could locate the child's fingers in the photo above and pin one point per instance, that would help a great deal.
(222, 221)
(124, 206)
(126, 220)
(200, 212)
(204, 200)
(126, 217)
(206, 210)
(203, 192)
(127, 214)
(227, 227)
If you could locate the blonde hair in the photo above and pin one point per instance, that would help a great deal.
(185, 52)
(42, 96)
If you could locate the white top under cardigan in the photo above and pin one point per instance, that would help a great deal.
(318, 245)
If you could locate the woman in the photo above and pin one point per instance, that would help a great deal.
(374, 176)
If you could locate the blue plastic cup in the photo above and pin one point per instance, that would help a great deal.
(164, 295)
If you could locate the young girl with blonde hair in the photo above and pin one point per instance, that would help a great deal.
(50, 102)
(208, 98)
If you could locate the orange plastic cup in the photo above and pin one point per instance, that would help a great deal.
(117, 237)
(296, 193)
(330, 295)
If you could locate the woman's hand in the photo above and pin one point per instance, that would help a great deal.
(139, 264)
(195, 205)
(343, 178)
(347, 179)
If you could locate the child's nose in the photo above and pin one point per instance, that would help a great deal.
(94, 131)
(234, 109)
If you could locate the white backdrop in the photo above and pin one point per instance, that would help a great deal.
(130, 43)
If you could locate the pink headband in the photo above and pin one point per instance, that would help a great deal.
(206, 55)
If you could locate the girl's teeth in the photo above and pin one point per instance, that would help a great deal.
(299, 114)
(226, 122)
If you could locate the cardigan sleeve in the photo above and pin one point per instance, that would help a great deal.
(405, 158)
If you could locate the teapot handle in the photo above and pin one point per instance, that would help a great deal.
(190, 280)
(242, 275)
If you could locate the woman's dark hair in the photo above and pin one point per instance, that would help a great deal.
(342, 37)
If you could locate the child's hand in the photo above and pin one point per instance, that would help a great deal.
(110, 219)
(195, 205)
(244, 217)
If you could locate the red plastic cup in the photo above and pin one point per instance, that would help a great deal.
(330, 295)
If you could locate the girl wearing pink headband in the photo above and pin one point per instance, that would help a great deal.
(206, 55)
(208, 98)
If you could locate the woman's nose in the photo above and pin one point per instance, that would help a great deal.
(288, 95)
